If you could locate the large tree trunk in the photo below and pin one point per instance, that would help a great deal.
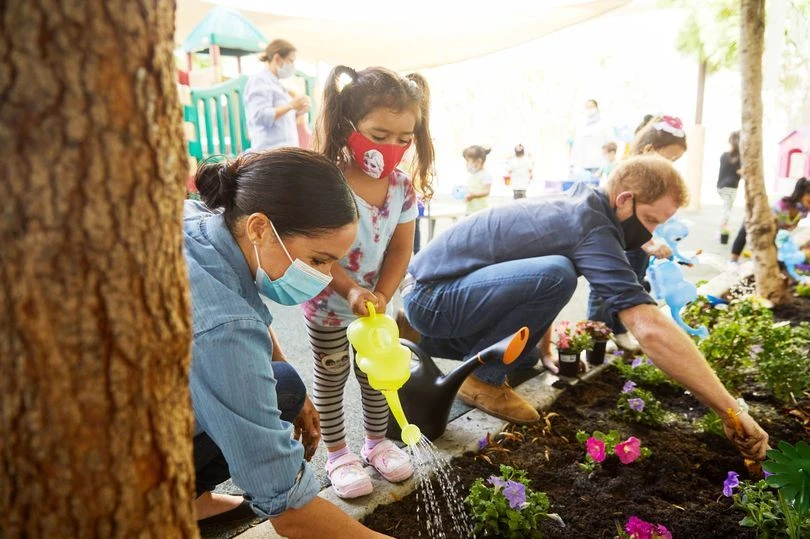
(759, 220)
(95, 421)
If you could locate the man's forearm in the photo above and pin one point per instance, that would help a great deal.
(671, 350)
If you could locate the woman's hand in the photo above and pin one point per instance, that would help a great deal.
(308, 428)
(300, 104)
(359, 296)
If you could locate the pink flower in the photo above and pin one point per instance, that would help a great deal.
(638, 529)
(596, 449)
(661, 532)
(629, 450)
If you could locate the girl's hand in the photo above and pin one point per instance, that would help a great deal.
(382, 301)
(358, 297)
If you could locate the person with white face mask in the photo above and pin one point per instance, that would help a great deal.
(257, 233)
(271, 110)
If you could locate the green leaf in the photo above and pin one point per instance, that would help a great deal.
(790, 466)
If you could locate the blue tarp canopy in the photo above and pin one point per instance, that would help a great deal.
(226, 28)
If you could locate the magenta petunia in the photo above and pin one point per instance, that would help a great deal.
(629, 450)
(596, 449)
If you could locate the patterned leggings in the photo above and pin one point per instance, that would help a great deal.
(331, 357)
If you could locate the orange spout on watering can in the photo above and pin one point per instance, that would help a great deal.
(385, 361)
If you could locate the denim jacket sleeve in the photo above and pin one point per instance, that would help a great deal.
(234, 395)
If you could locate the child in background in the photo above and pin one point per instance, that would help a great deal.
(728, 177)
(519, 171)
(788, 211)
(365, 127)
(609, 153)
(479, 182)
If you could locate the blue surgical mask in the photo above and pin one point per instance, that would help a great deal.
(299, 284)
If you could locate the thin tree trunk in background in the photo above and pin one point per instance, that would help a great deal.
(759, 220)
(701, 90)
(95, 419)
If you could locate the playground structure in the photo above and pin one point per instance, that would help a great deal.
(214, 108)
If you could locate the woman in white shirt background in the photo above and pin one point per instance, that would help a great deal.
(271, 110)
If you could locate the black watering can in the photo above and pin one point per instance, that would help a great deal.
(428, 395)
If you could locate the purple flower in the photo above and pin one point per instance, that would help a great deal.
(618, 352)
(636, 362)
(483, 442)
(497, 482)
(732, 481)
(636, 404)
(516, 494)
(766, 473)
(628, 386)
(648, 361)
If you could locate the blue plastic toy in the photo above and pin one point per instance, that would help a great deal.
(672, 232)
(666, 277)
(459, 192)
(790, 255)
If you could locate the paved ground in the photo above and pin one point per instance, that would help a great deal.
(289, 325)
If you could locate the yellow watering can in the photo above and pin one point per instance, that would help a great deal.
(385, 361)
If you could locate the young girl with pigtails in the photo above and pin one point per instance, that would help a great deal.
(365, 127)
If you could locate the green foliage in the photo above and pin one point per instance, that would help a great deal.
(744, 340)
(710, 32)
(770, 514)
(790, 472)
(653, 413)
(493, 515)
(644, 373)
(803, 290)
(710, 423)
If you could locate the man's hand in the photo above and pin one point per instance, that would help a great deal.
(359, 296)
(659, 251)
(308, 428)
(746, 434)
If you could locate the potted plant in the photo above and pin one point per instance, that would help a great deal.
(724, 235)
(570, 344)
(600, 334)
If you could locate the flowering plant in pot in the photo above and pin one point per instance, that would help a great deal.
(724, 235)
(600, 334)
(571, 341)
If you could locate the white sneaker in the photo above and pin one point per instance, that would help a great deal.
(627, 342)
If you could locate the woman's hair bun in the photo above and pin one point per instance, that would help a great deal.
(216, 182)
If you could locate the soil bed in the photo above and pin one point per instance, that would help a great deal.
(680, 485)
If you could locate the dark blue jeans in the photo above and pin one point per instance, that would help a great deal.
(639, 260)
(209, 463)
(460, 317)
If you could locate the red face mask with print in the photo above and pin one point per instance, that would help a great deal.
(376, 160)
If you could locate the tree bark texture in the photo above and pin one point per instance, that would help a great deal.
(95, 418)
(759, 220)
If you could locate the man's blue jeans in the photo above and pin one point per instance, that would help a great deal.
(639, 260)
(460, 317)
(209, 463)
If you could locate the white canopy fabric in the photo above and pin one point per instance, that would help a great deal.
(401, 35)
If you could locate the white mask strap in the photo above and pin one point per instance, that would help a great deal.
(286, 252)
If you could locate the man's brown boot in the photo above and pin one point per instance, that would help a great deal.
(500, 401)
(405, 330)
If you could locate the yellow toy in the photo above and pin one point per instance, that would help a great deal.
(385, 361)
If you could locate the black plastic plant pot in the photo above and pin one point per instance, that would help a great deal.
(569, 363)
(724, 238)
(597, 355)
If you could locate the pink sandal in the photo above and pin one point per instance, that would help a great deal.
(348, 477)
(393, 463)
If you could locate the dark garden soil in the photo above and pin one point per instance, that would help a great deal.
(797, 310)
(679, 485)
